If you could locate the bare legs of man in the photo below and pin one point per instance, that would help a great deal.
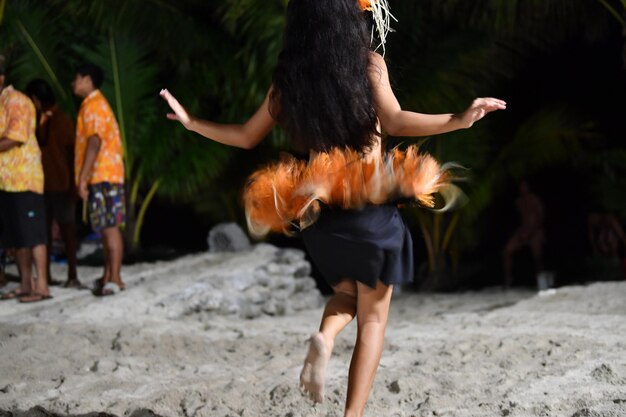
(371, 307)
(113, 244)
(507, 261)
(24, 261)
(36, 290)
(517, 241)
(68, 233)
(40, 255)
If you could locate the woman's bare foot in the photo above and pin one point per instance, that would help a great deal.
(313, 373)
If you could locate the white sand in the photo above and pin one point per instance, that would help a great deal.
(488, 353)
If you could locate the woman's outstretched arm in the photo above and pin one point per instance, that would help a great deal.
(398, 122)
(246, 135)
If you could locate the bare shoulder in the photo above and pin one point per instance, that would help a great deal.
(377, 59)
(377, 62)
(377, 68)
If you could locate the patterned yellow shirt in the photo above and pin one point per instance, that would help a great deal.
(20, 166)
(95, 117)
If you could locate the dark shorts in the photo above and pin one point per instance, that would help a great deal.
(23, 218)
(61, 207)
(107, 206)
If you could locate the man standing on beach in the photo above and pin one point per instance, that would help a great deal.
(55, 134)
(22, 209)
(530, 232)
(99, 169)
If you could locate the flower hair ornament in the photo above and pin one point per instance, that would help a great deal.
(382, 19)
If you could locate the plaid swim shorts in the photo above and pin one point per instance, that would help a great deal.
(107, 205)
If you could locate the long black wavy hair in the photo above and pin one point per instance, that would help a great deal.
(321, 93)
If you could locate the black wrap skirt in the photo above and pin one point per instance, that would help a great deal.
(364, 245)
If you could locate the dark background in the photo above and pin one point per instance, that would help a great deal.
(559, 64)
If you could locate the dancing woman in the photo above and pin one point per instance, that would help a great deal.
(331, 93)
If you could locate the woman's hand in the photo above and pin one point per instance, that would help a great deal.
(479, 108)
(180, 113)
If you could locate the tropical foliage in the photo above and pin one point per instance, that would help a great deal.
(480, 48)
(218, 57)
(144, 46)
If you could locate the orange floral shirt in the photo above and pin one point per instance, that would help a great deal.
(95, 117)
(20, 166)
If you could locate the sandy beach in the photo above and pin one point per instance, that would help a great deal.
(225, 335)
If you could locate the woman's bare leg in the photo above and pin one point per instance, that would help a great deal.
(339, 312)
(372, 313)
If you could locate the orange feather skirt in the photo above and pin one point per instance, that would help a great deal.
(287, 195)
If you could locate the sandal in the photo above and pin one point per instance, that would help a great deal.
(110, 288)
(96, 285)
(13, 294)
(34, 298)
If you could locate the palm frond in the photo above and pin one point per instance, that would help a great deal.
(613, 10)
(3, 5)
(554, 18)
(40, 50)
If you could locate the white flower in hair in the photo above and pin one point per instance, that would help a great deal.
(382, 19)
